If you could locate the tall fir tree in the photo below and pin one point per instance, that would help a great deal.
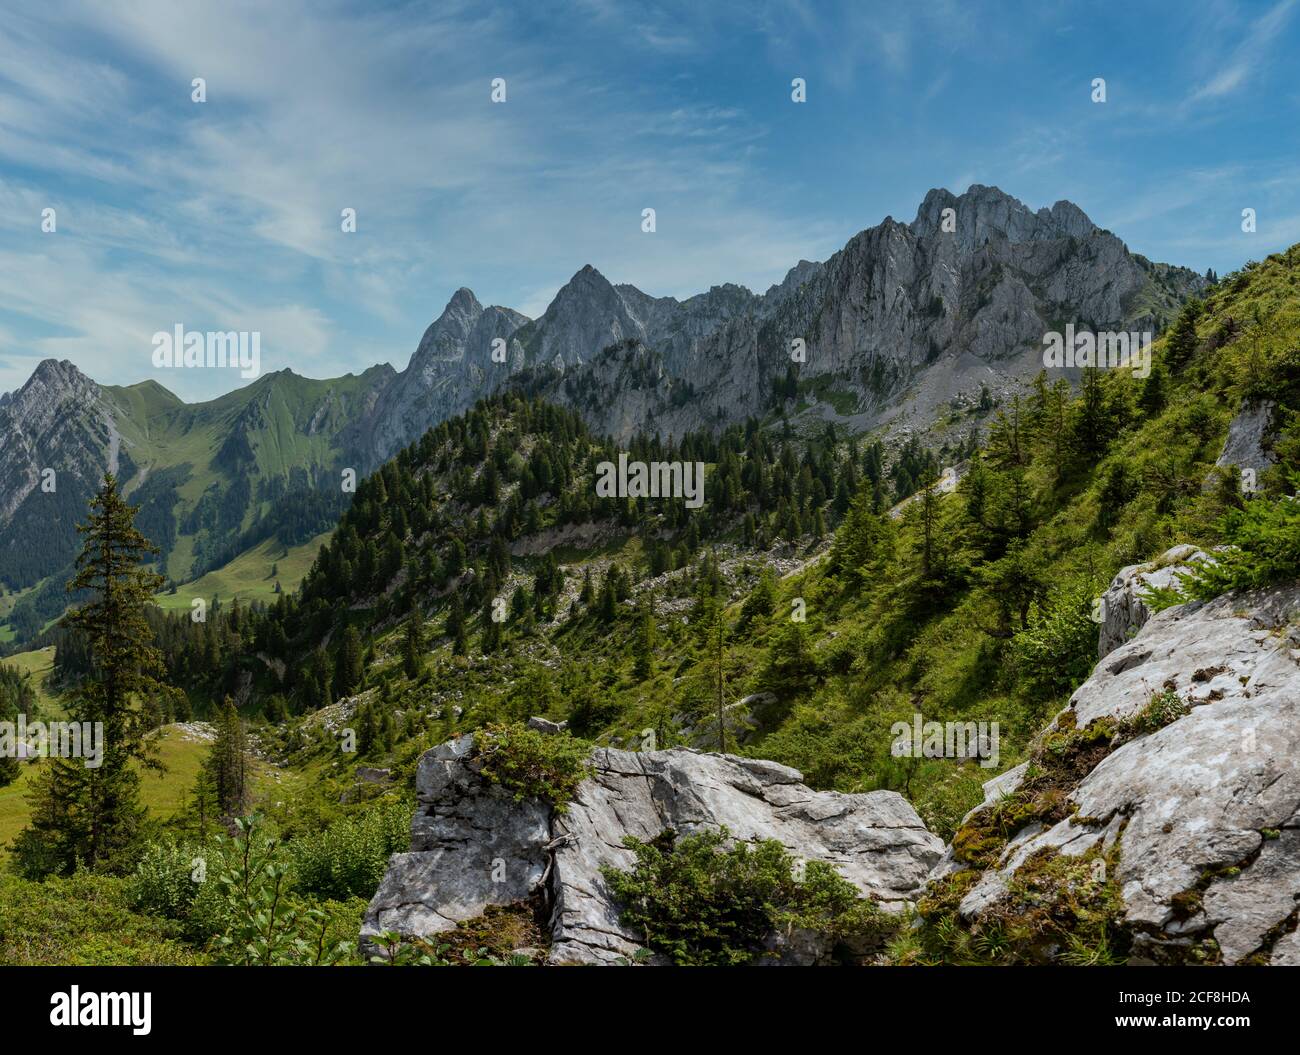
(1181, 344)
(221, 791)
(90, 815)
(349, 666)
(456, 625)
(644, 645)
(412, 646)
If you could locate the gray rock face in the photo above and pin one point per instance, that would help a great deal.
(1248, 436)
(59, 419)
(1215, 789)
(904, 319)
(474, 846)
(1123, 612)
(875, 840)
(452, 368)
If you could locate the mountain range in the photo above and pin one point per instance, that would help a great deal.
(905, 330)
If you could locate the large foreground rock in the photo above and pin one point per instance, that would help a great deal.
(474, 846)
(1204, 811)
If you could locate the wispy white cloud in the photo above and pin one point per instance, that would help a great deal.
(310, 111)
(1251, 53)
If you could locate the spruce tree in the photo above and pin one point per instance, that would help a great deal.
(412, 646)
(90, 815)
(490, 639)
(1182, 341)
(456, 625)
(348, 666)
(1153, 398)
(222, 789)
(645, 641)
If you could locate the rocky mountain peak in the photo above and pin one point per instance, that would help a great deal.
(52, 385)
(794, 278)
(445, 337)
(585, 282)
(983, 214)
(56, 375)
(587, 315)
(1069, 219)
(463, 302)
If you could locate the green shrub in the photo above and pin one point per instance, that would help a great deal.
(189, 885)
(1265, 549)
(1057, 651)
(83, 920)
(164, 882)
(702, 902)
(532, 764)
(348, 859)
(265, 925)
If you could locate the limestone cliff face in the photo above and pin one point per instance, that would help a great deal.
(899, 323)
(59, 419)
(451, 369)
(1200, 815)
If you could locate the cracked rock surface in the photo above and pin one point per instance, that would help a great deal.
(1210, 802)
(474, 846)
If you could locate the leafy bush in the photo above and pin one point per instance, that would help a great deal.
(164, 882)
(266, 926)
(704, 903)
(532, 764)
(1057, 651)
(349, 857)
(237, 895)
(83, 920)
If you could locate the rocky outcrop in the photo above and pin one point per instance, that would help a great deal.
(1122, 611)
(1249, 435)
(453, 367)
(473, 845)
(1201, 813)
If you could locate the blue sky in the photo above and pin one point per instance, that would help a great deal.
(225, 214)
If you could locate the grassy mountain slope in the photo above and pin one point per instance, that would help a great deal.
(213, 481)
(163, 793)
(252, 576)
